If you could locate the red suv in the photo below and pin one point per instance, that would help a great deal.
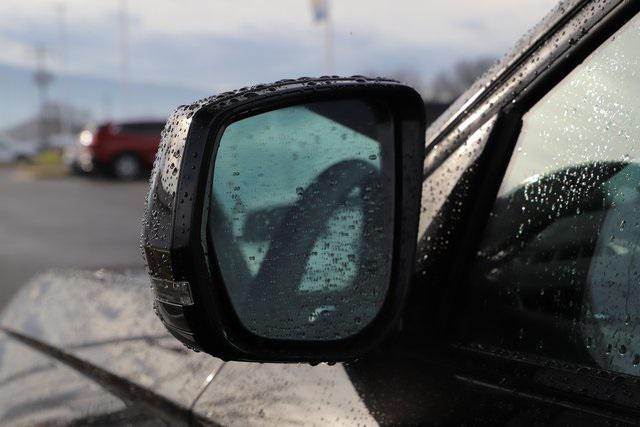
(124, 150)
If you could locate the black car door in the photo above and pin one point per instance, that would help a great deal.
(530, 263)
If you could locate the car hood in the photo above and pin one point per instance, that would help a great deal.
(100, 324)
(95, 332)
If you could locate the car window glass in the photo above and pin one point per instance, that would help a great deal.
(557, 272)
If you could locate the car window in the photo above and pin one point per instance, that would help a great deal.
(557, 272)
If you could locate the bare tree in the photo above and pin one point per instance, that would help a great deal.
(411, 76)
(447, 86)
(408, 76)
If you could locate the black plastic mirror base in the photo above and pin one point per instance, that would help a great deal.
(190, 294)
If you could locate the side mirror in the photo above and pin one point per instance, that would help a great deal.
(281, 219)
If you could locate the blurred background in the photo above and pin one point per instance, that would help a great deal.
(87, 85)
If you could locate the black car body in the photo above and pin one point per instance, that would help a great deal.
(469, 351)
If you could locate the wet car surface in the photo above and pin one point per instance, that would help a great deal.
(442, 367)
(161, 369)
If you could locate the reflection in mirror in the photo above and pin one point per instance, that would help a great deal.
(301, 217)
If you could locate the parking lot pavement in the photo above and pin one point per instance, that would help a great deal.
(75, 222)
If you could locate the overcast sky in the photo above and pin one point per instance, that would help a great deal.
(222, 44)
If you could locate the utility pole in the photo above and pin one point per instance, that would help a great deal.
(61, 10)
(43, 79)
(124, 57)
(107, 107)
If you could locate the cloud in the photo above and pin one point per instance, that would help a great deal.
(225, 43)
(222, 62)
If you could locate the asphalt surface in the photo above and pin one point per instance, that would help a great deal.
(71, 222)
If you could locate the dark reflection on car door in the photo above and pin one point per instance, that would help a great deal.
(557, 271)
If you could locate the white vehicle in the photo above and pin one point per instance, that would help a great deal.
(12, 151)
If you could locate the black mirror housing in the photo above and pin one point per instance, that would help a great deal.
(188, 263)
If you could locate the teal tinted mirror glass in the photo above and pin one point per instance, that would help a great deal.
(301, 218)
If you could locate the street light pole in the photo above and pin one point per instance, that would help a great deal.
(321, 10)
(328, 42)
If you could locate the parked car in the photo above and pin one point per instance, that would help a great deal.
(12, 151)
(124, 150)
(486, 277)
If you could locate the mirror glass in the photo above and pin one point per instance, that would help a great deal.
(301, 217)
